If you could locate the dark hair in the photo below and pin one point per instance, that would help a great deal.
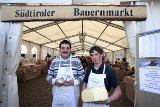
(65, 42)
(124, 59)
(23, 55)
(96, 48)
(34, 55)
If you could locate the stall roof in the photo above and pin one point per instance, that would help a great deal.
(110, 35)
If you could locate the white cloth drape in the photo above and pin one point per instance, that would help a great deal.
(131, 31)
(13, 48)
(2, 43)
(9, 92)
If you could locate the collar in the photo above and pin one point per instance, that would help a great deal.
(100, 68)
(66, 59)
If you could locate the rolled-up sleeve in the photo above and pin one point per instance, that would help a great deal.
(51, 76)
(112, 78)
(80, 73)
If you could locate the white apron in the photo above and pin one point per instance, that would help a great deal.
(65, 96)
(96, 80)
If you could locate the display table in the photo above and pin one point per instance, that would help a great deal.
(28, 72)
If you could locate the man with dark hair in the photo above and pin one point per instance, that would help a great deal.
(96, 48)
(102, 75)
(65, 42)
(124, 64)
(65, 74)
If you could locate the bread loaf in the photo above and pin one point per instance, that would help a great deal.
(94, 94)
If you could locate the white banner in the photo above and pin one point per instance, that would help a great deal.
(38, 1)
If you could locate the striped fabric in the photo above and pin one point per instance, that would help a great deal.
(78, 71)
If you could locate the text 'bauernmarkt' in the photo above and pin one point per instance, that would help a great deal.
(124, 12)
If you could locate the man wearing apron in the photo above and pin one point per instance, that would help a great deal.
(65, 74)
(100, 75)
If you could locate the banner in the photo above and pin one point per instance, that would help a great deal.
(63, 12)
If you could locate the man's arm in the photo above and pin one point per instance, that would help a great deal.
(85, 79)
(84, 86)
(51, 76)
(116, 94)
(115, 84)
(80, 71)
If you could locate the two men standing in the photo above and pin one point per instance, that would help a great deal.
(66, 72)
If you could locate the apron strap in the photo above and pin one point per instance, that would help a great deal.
(104, 68)
(59, 63)
(91, 70)
(70, 62)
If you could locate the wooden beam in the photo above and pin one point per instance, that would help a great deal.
(99, 46)
(42, 27)
(105, 41)
(60, 39)
(102, 32)
(111, 24)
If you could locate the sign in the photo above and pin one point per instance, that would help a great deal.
(65, 12)
(149, 44)
(63, 1)
(150, 79)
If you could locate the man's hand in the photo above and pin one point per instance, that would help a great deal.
(101, 102)
(69, 83)
(60, 82)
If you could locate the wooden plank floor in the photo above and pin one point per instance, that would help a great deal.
(37, 93)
